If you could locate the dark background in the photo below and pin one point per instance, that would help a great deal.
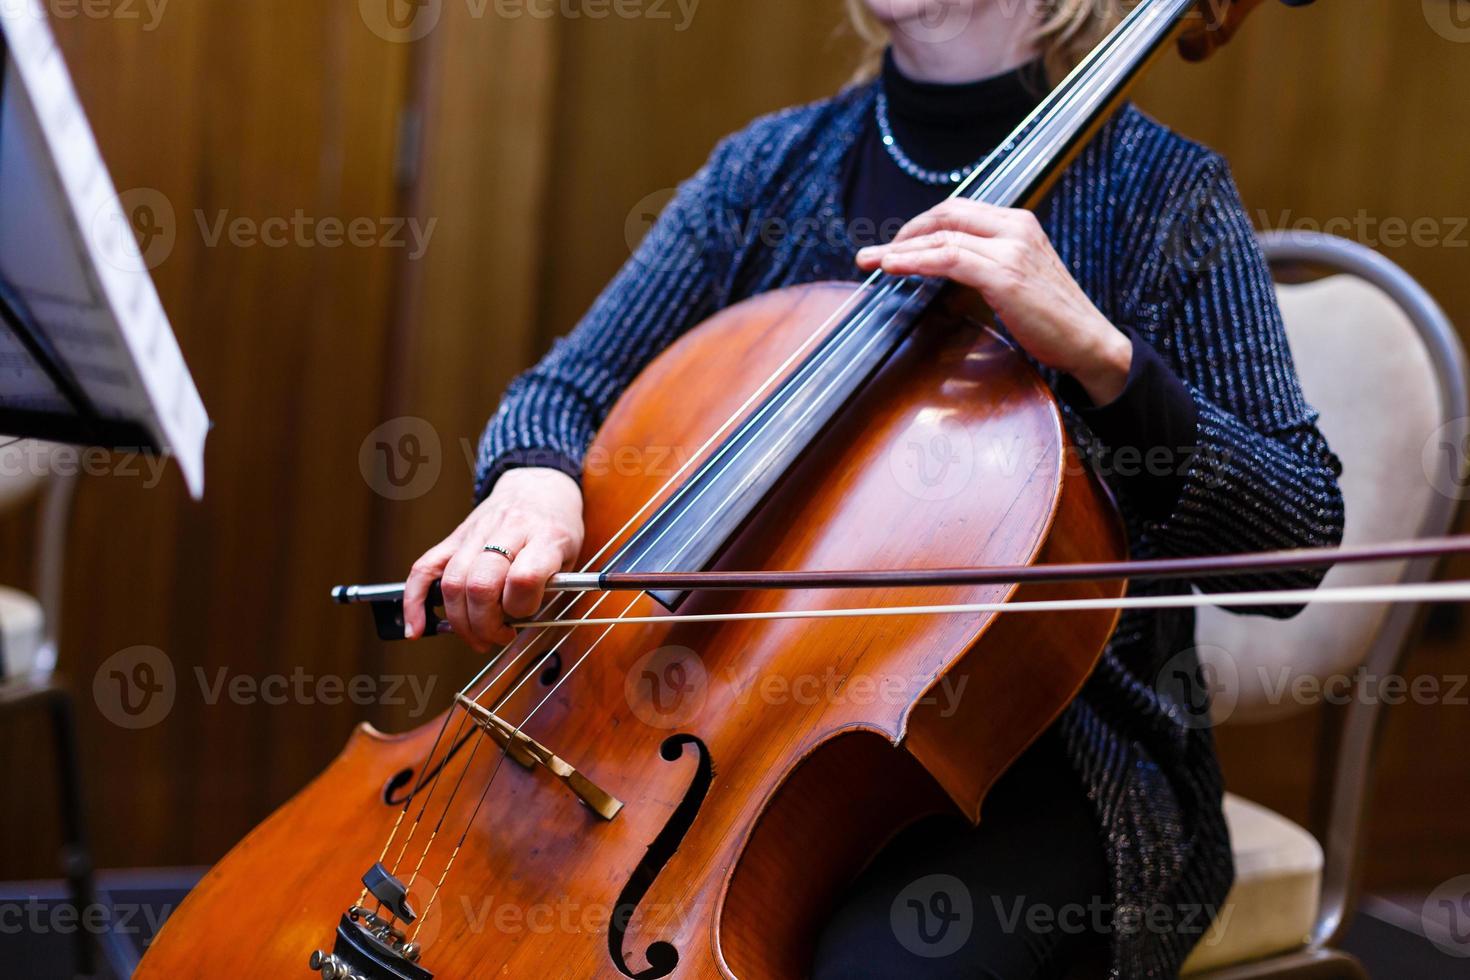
(542, 147)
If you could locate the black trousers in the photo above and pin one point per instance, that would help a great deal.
(1022, 897)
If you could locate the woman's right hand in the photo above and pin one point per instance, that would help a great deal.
(536, 515)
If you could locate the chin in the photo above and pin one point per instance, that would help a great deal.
(926, 13)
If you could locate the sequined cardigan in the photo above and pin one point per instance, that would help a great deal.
(1152, 227)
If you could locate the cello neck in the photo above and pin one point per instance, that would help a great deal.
(744, 461)
(1023, 168)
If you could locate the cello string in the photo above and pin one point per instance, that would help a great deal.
(479, 735)
(428, 759)
(1017, 160)
(495, 771)
(1012, 161)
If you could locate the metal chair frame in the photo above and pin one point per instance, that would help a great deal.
(50, 692)
(1348, 752)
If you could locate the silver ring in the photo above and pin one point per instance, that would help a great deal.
(502, 552)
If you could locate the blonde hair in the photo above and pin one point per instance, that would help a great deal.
(1071, 29)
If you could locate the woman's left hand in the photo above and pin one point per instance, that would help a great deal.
(1005, 254)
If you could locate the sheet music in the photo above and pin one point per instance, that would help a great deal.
(68, 250)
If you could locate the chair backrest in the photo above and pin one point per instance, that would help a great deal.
(1381, 363)
(27, 468)
(1384, 366)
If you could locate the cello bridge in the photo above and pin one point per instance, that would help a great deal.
(530, 753)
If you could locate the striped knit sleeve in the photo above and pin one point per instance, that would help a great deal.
(550, 413)
(1262, 476)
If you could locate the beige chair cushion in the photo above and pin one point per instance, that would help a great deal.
(1278, 884)
(1365, 369)
(22, 632)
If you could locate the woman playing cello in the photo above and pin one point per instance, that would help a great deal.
(1138, 289)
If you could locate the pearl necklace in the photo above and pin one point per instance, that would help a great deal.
(934, 178)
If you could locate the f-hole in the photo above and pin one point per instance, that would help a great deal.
(403, 778)
(662, 957)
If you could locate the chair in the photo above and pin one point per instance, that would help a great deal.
(29, 621)
(1381, 362)
(28, 638)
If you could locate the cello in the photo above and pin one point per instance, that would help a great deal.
(623, 790)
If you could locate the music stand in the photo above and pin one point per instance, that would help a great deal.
(87, 355)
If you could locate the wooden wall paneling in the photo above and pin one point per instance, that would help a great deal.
(258, 110)
(641, 105)
(465, 322)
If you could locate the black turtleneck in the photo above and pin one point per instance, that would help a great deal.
(949, 127)
(940, 127)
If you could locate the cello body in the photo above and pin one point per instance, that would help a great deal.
(760, 764)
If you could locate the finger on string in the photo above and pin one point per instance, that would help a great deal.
(949, 261)
(960, 214)
(992, 248)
